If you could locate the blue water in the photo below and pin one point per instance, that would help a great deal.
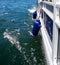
(17, 45)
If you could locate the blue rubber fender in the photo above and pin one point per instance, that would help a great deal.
(36, 27)
(34, 14)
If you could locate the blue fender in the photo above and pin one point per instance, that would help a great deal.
(36, 27)
(34, 15)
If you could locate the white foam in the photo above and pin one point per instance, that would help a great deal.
(32, 54)
(31, 26)
(30, 33)
(27, 61)
(24, 52)
(6, 30)
(17, 30)
(35, 60)
(6, 13)
(25, 44)
(32, 9)
(26, 24)
(25, 57)
(12, 19)
(18, 33)
(32, 49)
(13, 40)
(6, 35)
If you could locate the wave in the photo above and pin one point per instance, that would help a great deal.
(32, 9)
(12, 39)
